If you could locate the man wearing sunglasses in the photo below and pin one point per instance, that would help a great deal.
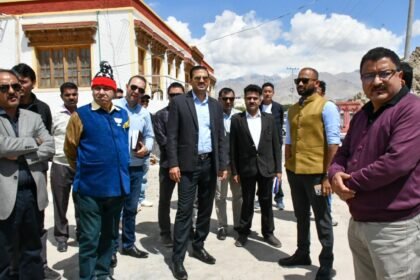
(141, 143)
(29, 101)
(377, 172)
(227, 99)
(26, 146)
(166, 185)
(312, 138)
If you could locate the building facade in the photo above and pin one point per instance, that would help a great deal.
(66, 40)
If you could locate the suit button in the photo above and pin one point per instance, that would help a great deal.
(15, 177)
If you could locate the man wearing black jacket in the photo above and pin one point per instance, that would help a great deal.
(271, 107)
(166, 185)
(255, 158)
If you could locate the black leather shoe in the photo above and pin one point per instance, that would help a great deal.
(324, 273)
(134, 252)
(296, 259)
(203, 256)
(62, 246)
(241, 240)
(273, 241)
(179, 271)
(50, 274)
(166, 240)
(221, 233)
(114, 260)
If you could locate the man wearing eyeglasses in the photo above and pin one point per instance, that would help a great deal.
(196, 157)
(166, 185)
(312, 138)
(141, 143)
(25, 147)
(377, 172)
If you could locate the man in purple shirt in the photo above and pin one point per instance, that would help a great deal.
(377, 172)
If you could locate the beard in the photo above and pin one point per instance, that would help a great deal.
(307, 92)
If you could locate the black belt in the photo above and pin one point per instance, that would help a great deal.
(204, 156)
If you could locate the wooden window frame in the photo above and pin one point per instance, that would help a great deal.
(65, 50)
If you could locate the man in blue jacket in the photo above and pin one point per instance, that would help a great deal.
(96, 146)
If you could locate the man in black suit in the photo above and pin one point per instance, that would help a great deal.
(195, 145)
(255, 158)
(269, 106)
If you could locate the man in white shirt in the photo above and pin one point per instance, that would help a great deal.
(255, 158)
(61, 174)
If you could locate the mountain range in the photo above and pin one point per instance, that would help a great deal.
(340, 86)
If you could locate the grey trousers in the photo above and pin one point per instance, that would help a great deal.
(220, 201)
(385, 251)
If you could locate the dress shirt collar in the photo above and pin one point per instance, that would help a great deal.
(63, 109)
(368, 108)
(95, 107)
(257, 115)
(196, 100)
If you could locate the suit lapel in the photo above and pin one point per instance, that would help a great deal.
(245, 127)
(7, 127)
(264, 124)
(191, 107)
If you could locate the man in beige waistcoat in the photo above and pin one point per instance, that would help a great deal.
(312, 138)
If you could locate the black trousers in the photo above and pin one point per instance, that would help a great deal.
(61, 181)
(166, 188)
(22, 228)
(303, 197)
(202, 182)
(264, 192)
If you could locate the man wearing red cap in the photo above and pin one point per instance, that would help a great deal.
(96, 146)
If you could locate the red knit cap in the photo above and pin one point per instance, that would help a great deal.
(104, 77)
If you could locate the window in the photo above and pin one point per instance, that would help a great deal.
(64, 64)
(156, 64)
(142, 56)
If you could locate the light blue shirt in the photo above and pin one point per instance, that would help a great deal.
(227, 119)
(204, 131)
(140, 120)
(331, 119)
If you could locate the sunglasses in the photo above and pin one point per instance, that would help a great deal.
(172, 95)
(231, 99)
(5, 88)
(303, 80)
(198, 78)
(134, 88)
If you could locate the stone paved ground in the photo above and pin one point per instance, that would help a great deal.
(256, 260)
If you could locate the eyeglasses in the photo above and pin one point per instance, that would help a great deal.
(383, 75)
(303, 80)
(231, 99)
(198, 78)
(134, 88)
(172, 95)
(6, 87)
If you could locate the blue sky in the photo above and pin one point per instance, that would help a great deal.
(306, 31)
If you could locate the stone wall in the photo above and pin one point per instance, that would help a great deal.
(414, 61)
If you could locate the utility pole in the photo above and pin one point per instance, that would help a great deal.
(409, 27)
(292, 89)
